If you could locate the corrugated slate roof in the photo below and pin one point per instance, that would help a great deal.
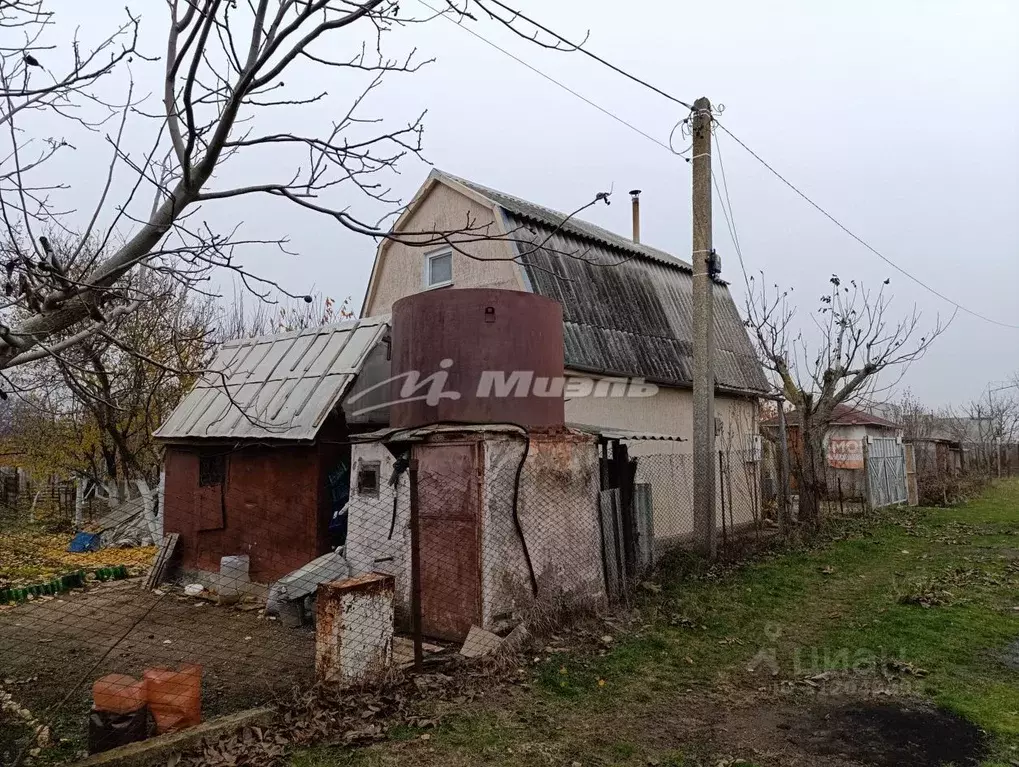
(539, 214)
(627, 308)
(275, 387)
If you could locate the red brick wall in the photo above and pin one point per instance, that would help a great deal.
(274, 507)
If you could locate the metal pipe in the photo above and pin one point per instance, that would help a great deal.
(635, 198)
(415, 568)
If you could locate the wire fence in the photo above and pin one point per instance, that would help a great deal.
(256, 573)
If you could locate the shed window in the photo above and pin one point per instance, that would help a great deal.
(439, 269)
(368, 479)
(211, 470)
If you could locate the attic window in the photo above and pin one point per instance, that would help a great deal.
(439, 269)
(368, 479)
(211, 470)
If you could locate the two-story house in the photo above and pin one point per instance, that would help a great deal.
(627, 312)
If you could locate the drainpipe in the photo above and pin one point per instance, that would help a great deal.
(635, 197)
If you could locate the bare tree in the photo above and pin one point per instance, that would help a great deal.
(225, 66)
(243, 320)
(90, 412)
(853, 340)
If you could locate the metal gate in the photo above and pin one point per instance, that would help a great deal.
(449, 538)
(886, 472)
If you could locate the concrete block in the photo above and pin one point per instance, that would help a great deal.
(480, 642)
(354, 629)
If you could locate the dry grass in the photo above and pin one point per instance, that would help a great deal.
(28, 557)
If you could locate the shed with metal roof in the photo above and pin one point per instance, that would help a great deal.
(257, 458)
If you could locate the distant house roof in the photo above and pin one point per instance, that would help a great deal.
(275, 387)
(843, 415)
(627, 307)
(969, 430)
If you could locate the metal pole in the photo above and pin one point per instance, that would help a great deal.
(635, 204)
(867, 489)
(703, 326)
(415, 568)
(721, 491)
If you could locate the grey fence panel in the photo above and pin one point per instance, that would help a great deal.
(886, 472)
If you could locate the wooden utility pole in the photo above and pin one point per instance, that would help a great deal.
(704, 342)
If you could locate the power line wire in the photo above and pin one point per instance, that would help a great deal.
(551, 79)
(579, 48)
(667, 95)
(731, 216)
(863, 242)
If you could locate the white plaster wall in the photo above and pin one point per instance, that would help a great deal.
(399, 271)
(558, 513)
(366, 643)
(668, 466)
(369, 545)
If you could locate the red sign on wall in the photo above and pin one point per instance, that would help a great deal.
(845, 453)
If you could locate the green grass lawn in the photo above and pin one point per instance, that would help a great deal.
(921, 602)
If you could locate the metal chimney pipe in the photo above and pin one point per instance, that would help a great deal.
(635, 197)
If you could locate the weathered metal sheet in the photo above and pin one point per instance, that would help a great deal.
(275, 387)
(449, 498)
(354, 629)
(627, 307)
(483, 332)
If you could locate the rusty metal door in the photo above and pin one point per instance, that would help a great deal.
(449, 507)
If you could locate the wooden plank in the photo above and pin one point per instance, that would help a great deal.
(644, 518)
(619, 523)
(607, 500)
(155, 576)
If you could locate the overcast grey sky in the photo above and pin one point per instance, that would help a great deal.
(899, 118)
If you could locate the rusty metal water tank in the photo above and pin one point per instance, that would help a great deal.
(500, 351)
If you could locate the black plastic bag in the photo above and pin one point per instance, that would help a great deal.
(108, 730)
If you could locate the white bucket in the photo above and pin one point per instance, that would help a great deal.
(233, 575)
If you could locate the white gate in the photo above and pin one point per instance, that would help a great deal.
(886, 472)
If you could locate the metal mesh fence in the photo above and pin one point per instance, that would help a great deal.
(256, 571)
(242, 582)
(745, 498)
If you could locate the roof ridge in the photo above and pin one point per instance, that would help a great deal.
(577, 226)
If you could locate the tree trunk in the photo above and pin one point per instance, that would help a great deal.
(812, 475)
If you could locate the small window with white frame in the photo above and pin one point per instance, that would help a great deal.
(439, 269)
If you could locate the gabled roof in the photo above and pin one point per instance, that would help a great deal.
(627, 307)
(539, 214)
(275, 387)
(842, 415)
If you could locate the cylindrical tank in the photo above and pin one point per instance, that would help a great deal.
(477, 355)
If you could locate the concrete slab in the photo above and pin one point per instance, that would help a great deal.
(480, 642)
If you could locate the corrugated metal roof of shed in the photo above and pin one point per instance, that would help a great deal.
(275, 387)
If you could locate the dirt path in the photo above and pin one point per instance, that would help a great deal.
(48, 649)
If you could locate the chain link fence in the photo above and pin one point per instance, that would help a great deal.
(258, 572)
